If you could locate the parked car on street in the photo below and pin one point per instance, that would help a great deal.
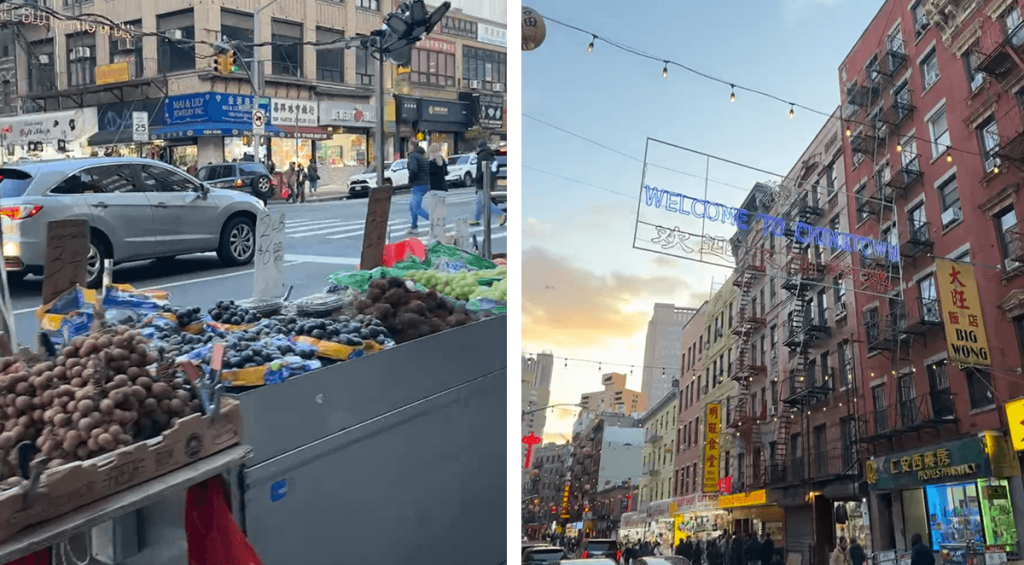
(600, 548)
(245, 176)
(396, 173)
(137, 209)
(543, 555)
(461, 169)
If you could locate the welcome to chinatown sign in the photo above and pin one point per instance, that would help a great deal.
(35, 16)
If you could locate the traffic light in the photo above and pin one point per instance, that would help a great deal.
(235, 63)
(225, 63)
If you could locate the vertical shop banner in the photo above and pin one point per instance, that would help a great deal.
(565, 501)
(713, 428)
(961, 313)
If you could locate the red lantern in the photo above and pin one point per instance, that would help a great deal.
(535, 473)
(587, 451)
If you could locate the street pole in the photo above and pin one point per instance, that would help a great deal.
(257, 75)
(486, 169)
(379, 149)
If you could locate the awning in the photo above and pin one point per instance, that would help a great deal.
(301, 132)
(111, 137)
(441, 126)
(210, 129)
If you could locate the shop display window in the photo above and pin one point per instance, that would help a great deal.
(996, 509)
(954, 514)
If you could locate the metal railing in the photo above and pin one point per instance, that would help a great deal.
(834, 462)
(913, 413)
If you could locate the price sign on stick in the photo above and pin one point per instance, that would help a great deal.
(67, 246)
(438, 215)
(375, 233)
(269, 275)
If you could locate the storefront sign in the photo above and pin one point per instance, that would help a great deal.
(756, 498)
(439, 45)
(347, 114)
(492, 35)
(302, 113)
(713, 429)
(458, 27)
(1015, 417)
(211, 107)
(491, 110)
(565, 501)
(35, 16)
(409, 109)
(696, 502)
(961, 313)
(443, 111)
(112, 73)
(49, 127)
(964, 459)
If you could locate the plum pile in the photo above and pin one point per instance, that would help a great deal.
(227, 312)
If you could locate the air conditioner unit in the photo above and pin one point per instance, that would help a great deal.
(126, 44)
(44, 59)
(476, 84)
(840, 309)
(773, 411)
(1010, 264)
(174, 34)
(498, 87)
(923, 25)
(978, 80)
(951, 215)
(991, 163)
(80, 53)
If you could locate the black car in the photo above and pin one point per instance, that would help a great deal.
(600, 548)
(246, 176)
(543, 555)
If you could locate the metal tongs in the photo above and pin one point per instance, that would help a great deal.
(208, 386)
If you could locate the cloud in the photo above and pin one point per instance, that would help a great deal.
(535, 229)
(566, 306)
(663, 262)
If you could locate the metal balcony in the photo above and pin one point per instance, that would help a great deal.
(812, 330)
(892, 62)
(789, 472)
(861, 96)
(896, 114)
(929, 410)
(998, 63)
(925, 314)
(803, 210)
(805, 390)
(863, 143)
(919, 240)
(834, 463)
(652, 439)
(906, 176)
(884, 335)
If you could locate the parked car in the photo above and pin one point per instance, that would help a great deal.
(137, 209)
(543, 554)
(461, 169)
(602, 561)
(499, 194)
(396, 173)
(600, 548)
(244, 176)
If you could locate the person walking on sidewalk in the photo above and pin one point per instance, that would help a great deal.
(419, 179)
(290, 176)
(313, 174)
(484, 153)
(438, 168)
(300, 184)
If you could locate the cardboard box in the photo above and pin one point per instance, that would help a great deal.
(74, 485)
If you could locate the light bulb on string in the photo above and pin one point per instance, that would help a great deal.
(732, 94)
(949, 154)
(792, 114)
(848, 131)
(899, 148)
(664, 72)
(590, 48)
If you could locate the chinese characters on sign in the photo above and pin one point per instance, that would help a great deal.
(930, 465)
(961, 313)
(438, 45)
(565, 501)
(713, 428)
(303, 113)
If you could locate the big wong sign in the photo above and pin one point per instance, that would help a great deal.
(961, 313)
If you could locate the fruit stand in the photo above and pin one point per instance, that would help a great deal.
(379, 398)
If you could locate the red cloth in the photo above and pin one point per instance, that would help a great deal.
(213, 537)
(41, 557)
(398, 252)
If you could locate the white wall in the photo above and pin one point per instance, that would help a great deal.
(621, 456)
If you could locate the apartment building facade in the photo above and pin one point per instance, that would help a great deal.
(688, 453)
(658, 463)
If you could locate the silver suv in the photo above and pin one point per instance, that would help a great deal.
(137, 209)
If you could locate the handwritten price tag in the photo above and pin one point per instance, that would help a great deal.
(67, 247)
(269, 276)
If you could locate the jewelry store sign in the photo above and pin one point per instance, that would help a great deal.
(963, 459)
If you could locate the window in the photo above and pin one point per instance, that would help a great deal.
(916, 218)
(286, 51)
(881, 418)
(949, 199)
(6, 42)
(8, 93)
(830, 179)
(1012, 26)
(163, 179)
(871, 324)
(971, 59)
(858, 196)
(901, 94)
(124, 50)
(237, 28)
(762, 302)
(921, 22)
(771, 291)
(175, 56)
(41, 72)
(872, 71)
(938, 127)
(988, 140)
(366, 69)
(1006, 231)
(929, 70)
(930, 311)
(99, 180)
(907, 399)
(330, 63)
(368, 4)
(938, 382)
(730, 315)
(979, 387)
(845, 364)
(432, 68)
(484, 65)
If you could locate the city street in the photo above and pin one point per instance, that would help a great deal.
(321, 238)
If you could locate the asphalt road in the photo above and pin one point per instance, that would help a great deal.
(321, 238)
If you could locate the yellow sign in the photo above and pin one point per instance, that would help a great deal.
(1015, 417)
(961, 313)
(389, 110)
(114, 72)
(402, 70)
(756, 498)
(713, 427)
(420, 136)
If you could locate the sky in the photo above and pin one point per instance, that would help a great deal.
(587, 294)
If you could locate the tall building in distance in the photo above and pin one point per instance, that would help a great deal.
(615, 397)
(535, 393)
(663, 352)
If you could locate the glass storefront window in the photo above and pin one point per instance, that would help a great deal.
(954, 515)
(1000, 528)
(857, 523)
(285, 151)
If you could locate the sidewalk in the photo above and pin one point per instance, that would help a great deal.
(323, 193)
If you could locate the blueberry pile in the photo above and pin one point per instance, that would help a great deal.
(248, 349)
(344, 330)
(177, 344)
(185, 316)
(227, 312)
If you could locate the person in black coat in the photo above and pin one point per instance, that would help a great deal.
(737, 550)
(920, 554)
(767, 550)
(438, 168)
(698, 553)
(753, 550)
(714, 554)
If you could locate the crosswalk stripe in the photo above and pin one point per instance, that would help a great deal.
(395, 230)
(357, 226)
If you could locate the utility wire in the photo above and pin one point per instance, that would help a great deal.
(731, 84)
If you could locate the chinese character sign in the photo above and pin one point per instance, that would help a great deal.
(713, 429)
(961, 313)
